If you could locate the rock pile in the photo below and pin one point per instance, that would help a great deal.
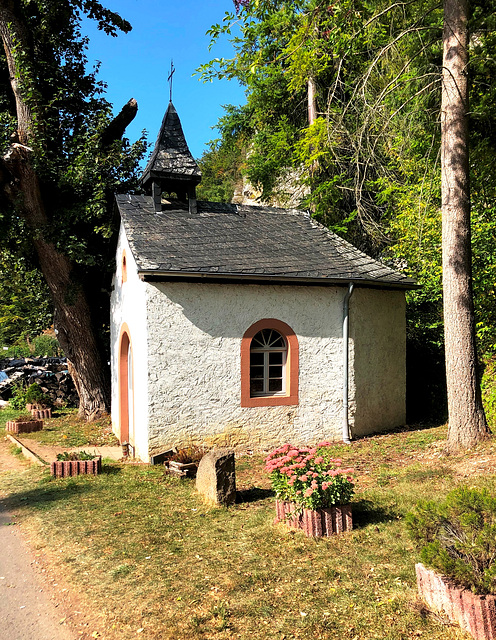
(50, 373)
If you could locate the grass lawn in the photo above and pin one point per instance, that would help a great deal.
(67, 430)
(159, 563)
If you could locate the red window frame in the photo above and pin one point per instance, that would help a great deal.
(290, 397)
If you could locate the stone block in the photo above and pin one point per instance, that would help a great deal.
(216, 477)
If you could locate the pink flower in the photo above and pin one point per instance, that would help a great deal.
(319, 460)
(308, 492)
(315, 475)
(324, 444)
(303, 478)
(314, 484)
(325, 485)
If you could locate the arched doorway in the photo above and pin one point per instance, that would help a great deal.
(126, 392)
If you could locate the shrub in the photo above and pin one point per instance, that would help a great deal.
(188, 455)
(46, 346)
(75, 455)
(25, 417)
(18, 397)
(304, 476)
(489, 391)
(457, 537)
(34, 395)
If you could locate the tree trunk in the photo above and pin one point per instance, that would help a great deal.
(22, 189)
(311, 100)
(467, 421)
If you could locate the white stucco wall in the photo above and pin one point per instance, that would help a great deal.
(186, 341)
(377, 328)
(194, 364)
(128, 305)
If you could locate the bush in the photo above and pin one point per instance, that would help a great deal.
(34, 395)
(46, 346)
(457, 537)
(18, 398)
(17, 351)
(75, 455)
(308, 478)
(25, 417)
(42, 346)
(489, 391)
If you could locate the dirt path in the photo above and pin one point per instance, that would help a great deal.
(9, 462)
(26, 609)
(35, 603)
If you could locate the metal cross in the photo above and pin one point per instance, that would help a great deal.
(169, 80)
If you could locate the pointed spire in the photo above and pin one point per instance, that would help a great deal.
(171, 166)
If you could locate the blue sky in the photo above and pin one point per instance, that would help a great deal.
(136, 65)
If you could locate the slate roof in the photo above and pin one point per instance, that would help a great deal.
(253, 244)
(171, 157)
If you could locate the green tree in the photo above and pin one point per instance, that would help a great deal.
(25, 308)
(62, 158)
(467, 421)
(371, 158)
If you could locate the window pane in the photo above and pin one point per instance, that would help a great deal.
(275, 385)
(256, 386)
(268, 353)
(275, 357)
(256, 372)
(268, 339)
(256, 358)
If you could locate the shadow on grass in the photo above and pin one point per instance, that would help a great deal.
(110, 469)
(44, 495)
(253, 495)
(366, 512)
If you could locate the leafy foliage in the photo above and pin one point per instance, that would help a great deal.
(18, 399)
(78, 163)
(75, 455)
(25, 308)
(489, 391)
(34, 395)
(457, 537)
(368, 166)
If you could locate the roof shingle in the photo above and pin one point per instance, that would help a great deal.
(237, 241)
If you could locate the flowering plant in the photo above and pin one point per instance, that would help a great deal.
(307, 477)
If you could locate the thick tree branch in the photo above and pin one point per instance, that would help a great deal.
(115, 129)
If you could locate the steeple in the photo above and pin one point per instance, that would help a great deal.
(171, 167)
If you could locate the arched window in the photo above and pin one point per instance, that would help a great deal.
(124, 268)
(269, 365)
(268, 353)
